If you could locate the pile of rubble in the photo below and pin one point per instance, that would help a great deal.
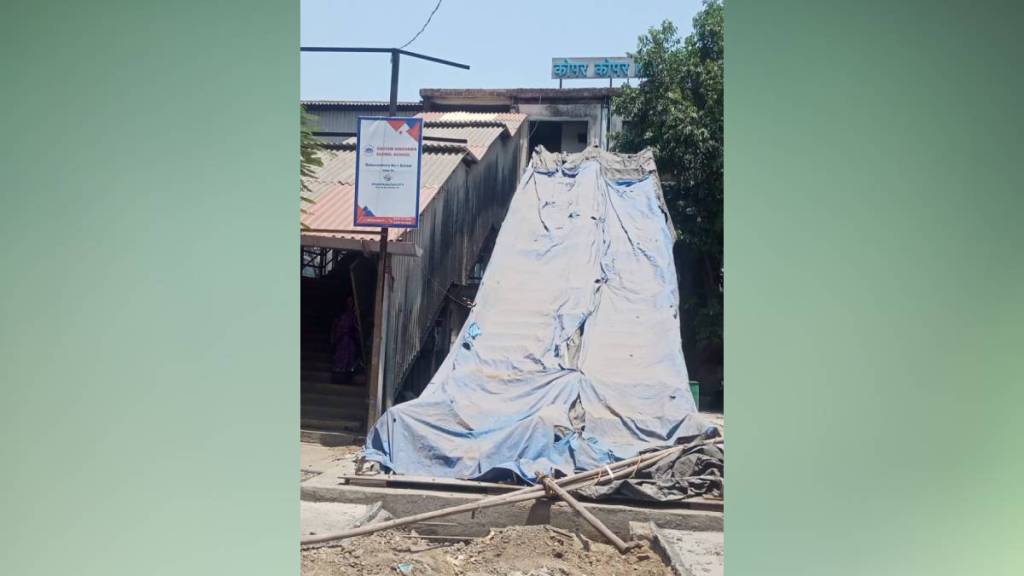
(513, 551)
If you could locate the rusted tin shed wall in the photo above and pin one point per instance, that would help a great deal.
(345, 117)
(452, 231)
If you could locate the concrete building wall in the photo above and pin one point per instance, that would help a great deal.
(601, 122)
(585, 112)
(592, 105)
(575, 136)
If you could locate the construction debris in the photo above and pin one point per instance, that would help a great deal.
(514, 551)
(621, 469)
(554, 489)
(683, 476)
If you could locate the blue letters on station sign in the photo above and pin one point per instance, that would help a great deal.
(594, 68)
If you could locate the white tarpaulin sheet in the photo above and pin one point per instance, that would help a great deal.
(571, 357)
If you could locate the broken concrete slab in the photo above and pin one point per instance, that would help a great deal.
(692, 553)
(326, 517)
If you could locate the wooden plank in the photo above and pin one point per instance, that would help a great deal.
(426, 482)
(453, 484)
(473, 486)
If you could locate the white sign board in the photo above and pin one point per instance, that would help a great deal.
(612, 67)
(389, 152)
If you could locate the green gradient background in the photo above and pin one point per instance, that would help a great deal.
(149, 405)
(148, 323)
(875, 277)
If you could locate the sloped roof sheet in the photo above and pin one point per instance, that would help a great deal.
(478, 138)
(333, 184)
(332, 214)
(467, 95)
(340, 166)
(333, 193)
(511, 120)
(361, 104)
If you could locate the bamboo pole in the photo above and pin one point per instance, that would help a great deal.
(617, 470)
(632, 465)
(575, 505)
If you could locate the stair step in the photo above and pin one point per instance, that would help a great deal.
(314, 371)
(315, 345)
(325, 438)
(332, 425)
(324, 377)
(333, 413)
(333, 390)
(356, 398)
(316, 375)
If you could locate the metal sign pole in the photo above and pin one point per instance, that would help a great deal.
(376, 391)
(376, 383)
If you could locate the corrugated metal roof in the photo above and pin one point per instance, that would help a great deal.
(340, 166)
(332, 214)
(478, 138)
(349, 143)
(477, 129)
(528, 93)
(333, 185)
(333, 192)
(370, 104)
(511, 120)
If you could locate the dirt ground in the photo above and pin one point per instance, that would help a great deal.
(316, 458)
(514, 551)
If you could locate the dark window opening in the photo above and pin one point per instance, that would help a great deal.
(546, 134)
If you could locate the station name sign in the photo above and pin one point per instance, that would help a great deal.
(616, 67)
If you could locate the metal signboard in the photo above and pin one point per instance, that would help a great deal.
(614, 67)
(389, 154)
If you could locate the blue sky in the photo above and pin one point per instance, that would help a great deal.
(507, 44)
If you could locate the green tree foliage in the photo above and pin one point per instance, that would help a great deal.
(677, 111)
(309, 153)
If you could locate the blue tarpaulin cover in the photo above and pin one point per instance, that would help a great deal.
(571, 357)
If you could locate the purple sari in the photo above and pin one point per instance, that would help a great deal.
(345, 336)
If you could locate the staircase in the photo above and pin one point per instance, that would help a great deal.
(332, 413)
